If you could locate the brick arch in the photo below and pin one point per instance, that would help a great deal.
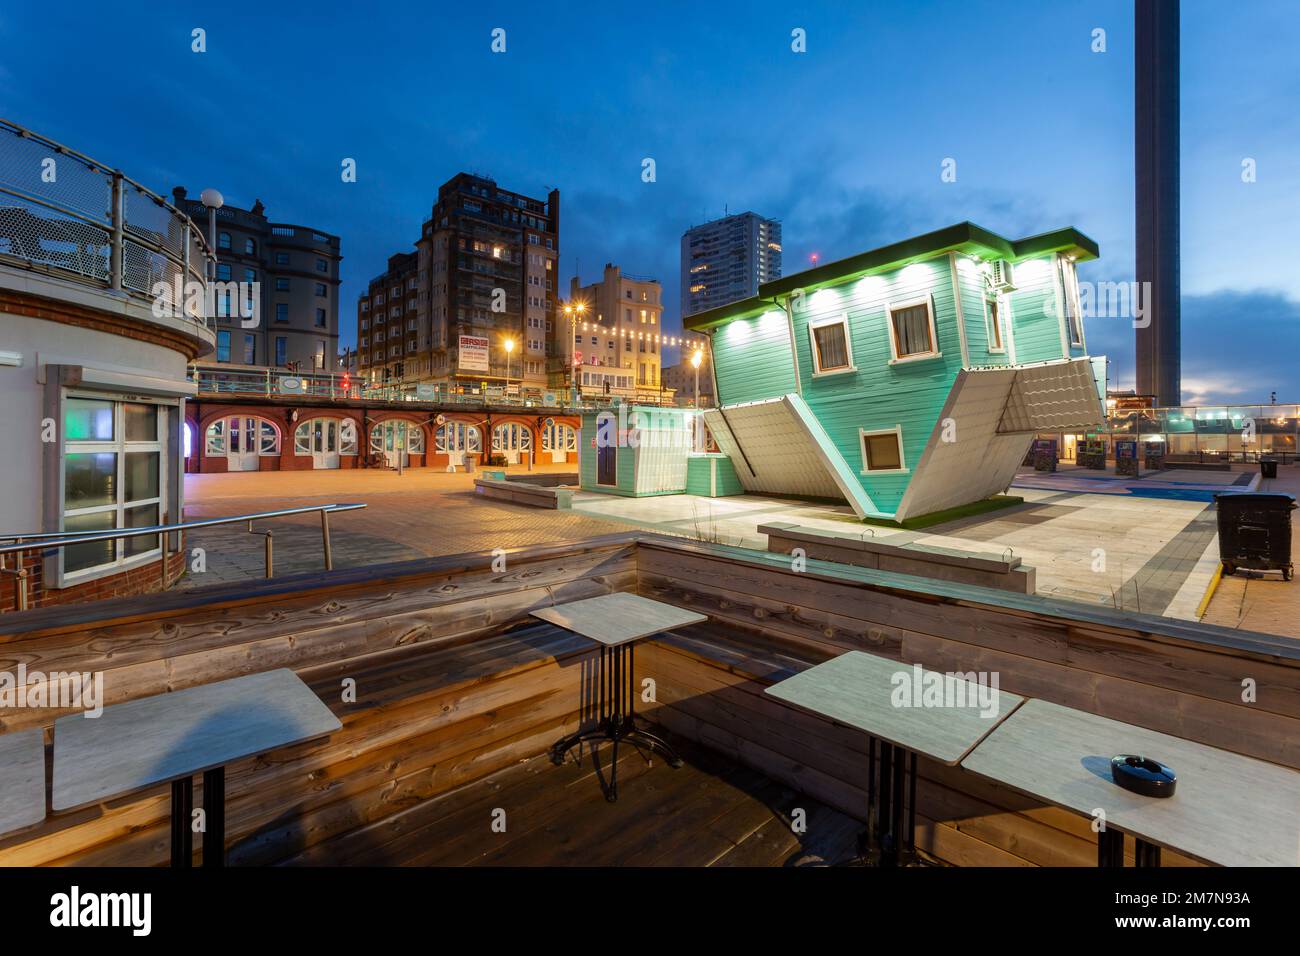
(422, 418)
(200, 461)
(291, 460)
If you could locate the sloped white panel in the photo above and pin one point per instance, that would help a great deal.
(1053, 396)
(777, 450)
(996, 412)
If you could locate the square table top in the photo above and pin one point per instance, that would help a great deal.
(620, 618)
(857, 689)
(22, 779)
(1226, 808)
(151, 740)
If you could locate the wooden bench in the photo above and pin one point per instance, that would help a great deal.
(984, 569)
(522, 493)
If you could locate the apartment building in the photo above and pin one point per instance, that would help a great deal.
(389, 321)
(477, 296)
(296, 272)
(725, 260)
(614, 345)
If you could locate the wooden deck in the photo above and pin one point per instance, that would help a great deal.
(709, 812)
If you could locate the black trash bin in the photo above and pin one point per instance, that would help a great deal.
(1268, 467)
(1255, 532)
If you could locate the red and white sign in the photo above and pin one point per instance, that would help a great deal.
(473, 354)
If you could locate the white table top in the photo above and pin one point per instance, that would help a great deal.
(620, 618)
(155, 739)
(1226, 808)
(22, 779)
(859, 690)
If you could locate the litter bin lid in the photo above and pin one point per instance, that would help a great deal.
(1274, 498)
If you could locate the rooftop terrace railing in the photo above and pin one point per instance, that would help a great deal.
(47, 540)
(68, 215)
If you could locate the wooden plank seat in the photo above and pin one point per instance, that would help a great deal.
(522, 493)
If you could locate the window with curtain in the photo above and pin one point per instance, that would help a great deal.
(831, 345)
(911, 329)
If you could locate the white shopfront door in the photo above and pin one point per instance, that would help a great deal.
(325, 443)
(241, 453)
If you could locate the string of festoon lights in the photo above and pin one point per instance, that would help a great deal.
(672, 341)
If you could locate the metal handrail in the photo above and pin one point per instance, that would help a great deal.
(123, 232)
(42, 540)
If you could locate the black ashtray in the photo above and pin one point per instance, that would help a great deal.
(1143, 775)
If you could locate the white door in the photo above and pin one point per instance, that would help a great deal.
(388, 438)
(241, 452)
(325, 443)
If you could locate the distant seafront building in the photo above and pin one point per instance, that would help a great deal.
(908, 379)
(297, 268)
(726, 260)
(618, 339)
(477, 297)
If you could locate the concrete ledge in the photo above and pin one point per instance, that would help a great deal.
(521, 493)
(985, 569)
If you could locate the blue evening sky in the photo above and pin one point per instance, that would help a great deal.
(843, 143)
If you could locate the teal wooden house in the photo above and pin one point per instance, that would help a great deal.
(905, 380)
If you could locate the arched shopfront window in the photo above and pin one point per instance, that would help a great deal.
(457, 437)
(558, 436)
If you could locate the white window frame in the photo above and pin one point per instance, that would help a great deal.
(1068, 279)
(865, 433)
(996, 300)
(119, 447)
(890, 309)
(841, 320)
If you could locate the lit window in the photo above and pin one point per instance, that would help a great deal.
(992, 316)
(832, 350)
(911, 327)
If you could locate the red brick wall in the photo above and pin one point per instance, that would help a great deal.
(144, 579)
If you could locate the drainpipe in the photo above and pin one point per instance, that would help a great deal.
(794, 350)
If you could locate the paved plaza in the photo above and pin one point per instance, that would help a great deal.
(1145, 545)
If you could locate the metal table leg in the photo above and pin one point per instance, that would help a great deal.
(1110, 848)
(1146, 854)
(182, 810)
(214, 812)
(616, 715)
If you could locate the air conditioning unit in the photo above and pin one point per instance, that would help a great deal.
(999, 276)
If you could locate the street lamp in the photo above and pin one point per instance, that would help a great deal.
(573, 310)
(510, 347)
(696, 359)
(213, 200)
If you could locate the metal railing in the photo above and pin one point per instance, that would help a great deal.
(71, 216)
(44, 540)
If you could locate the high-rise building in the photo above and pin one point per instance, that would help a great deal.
(1156, 139)
(618, 336)
(477, 295)
(725, 260)
(296, 269)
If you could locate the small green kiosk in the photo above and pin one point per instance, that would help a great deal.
(643, 450)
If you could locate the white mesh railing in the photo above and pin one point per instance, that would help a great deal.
(65, 214)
